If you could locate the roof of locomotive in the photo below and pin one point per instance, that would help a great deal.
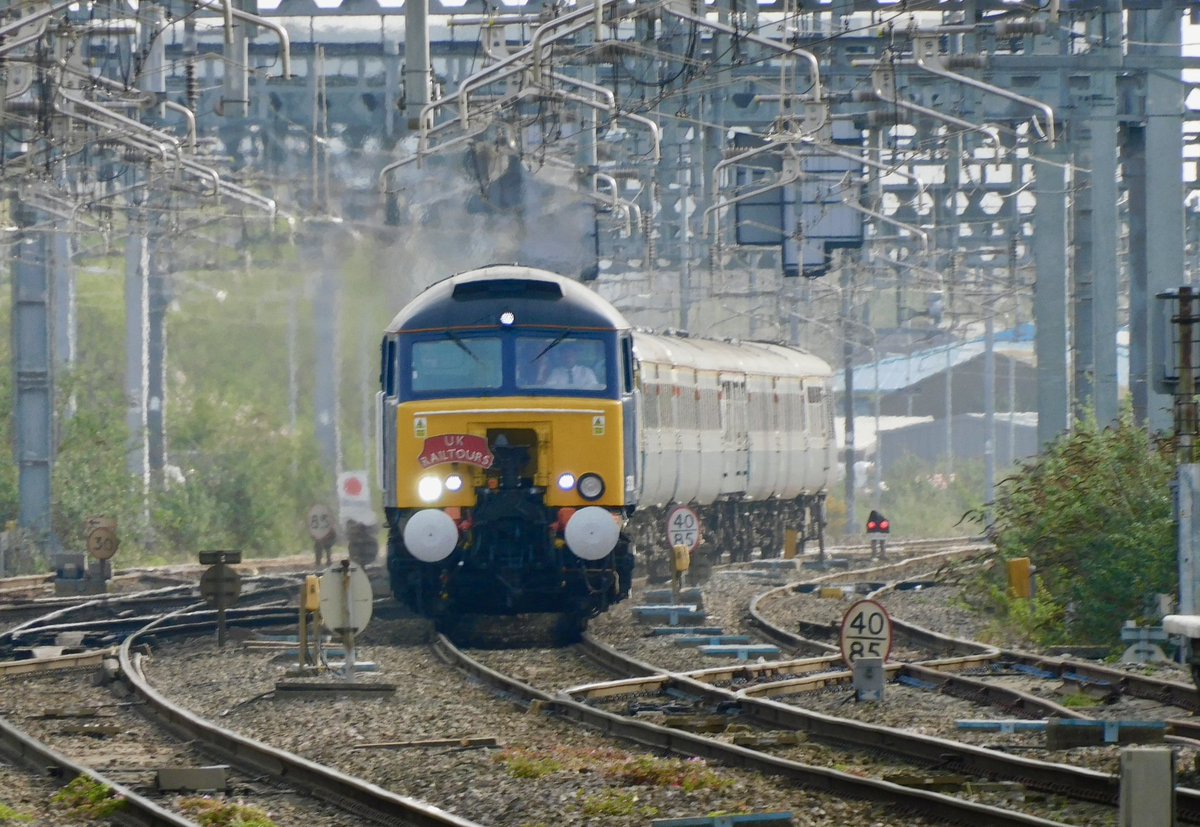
(538, 298)
(737, 356)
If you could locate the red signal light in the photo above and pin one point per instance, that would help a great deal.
(877, 523)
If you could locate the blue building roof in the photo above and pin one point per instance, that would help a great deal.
(896, 373)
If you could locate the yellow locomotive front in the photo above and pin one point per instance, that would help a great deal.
(507, 446)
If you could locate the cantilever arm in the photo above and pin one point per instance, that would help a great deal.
(285, 40)
(879, 81)
(925, 48)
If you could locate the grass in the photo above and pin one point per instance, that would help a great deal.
(85, 797)
(10, 816)
(614, 803)
(618, 768)
(211, 812)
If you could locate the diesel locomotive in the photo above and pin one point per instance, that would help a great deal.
(528, 436)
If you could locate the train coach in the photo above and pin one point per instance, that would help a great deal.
(528, 437)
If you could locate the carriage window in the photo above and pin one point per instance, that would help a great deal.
(456, 363)
(561, 363)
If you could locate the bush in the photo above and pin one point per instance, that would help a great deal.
(1094, 514)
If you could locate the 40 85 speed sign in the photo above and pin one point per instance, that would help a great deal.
(683, 527)
(866, 632)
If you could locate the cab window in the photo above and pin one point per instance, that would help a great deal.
(457, 363)
(557, 362)
(387, 377)
(627, 378)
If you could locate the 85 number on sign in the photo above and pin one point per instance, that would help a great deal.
(866, 632)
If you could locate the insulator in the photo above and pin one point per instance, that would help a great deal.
(1015, 28)
(190, 85)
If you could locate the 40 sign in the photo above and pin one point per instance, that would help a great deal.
(683, 528)
(866, 632)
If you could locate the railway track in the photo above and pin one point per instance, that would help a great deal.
(349, 793)
(750, 689)
(578, 705)
(752, 686)
(265, 772)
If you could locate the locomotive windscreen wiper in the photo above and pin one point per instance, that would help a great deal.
(452, 336)
(550, 346)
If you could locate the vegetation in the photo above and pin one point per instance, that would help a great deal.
(211, 812)
(919, 498)
(1080, 701)
(616, 767)
(1093, 513)
(614, 803)
(10, 816)
(526, 764)
(243, 465)
(87, 798)
(690, 774)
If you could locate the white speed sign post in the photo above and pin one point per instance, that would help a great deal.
(683, 528)
(866, 632)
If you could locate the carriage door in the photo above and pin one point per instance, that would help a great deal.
(735, 439)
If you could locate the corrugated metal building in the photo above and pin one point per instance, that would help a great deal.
(916, 384)
(943, 388)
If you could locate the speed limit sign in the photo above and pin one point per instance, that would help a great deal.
(102, 542)
(101, 535)
(866, 632)
(320, 523)
(683, 528)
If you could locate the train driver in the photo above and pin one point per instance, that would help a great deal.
(568, 372)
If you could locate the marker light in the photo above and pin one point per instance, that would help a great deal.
(429, 489)
(566, 481)
(507, 318)
(454, 483)
(883, 526)
(591, 486)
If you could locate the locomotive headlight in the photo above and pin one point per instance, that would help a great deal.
(429, 489)
(566, 481)
(507, 318)
(454, 483)
(591, 486)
